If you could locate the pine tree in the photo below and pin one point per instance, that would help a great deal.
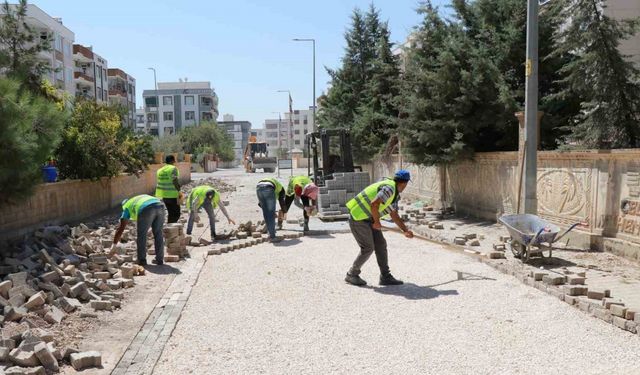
(605, 81)
(20, 46)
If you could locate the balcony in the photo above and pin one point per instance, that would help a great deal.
(117, 73)
(117, 92)
(82, 53)
(83, 78)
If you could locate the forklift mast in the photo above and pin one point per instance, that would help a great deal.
(336, 153)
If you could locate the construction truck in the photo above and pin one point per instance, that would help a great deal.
(256, 156)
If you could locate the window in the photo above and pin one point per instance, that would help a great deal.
(58, 43)
(140, 119)
(167, 116)
(296, 122)
(206, 116)
(106, 95)
(151, 101)
(67, 49)
(305, 131)
(296, 132)
(272, 134)
(205, 100)
(189, 115)
(272, 126)
(167, 100)
(296, 112)
(104, 74)
(100, 94)
(68, 76)
(297, 142)
(188, 100)
(59, 71)
(99, 73)
(152, 117)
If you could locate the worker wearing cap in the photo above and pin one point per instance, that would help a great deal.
(270, 190)
(168, 188)
(304, 193)
(148, 211)
(366, 209)
(206, 197)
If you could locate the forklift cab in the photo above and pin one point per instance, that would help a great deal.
(328, 152)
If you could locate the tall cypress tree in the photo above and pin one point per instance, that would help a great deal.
(605, 81)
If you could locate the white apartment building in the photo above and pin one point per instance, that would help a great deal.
(141, 123)
(60, 57)
(239, 131)
(284, 134)
(181, 104)
(90, 75)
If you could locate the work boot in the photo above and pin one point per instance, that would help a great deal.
(280, 224)
(158, 262)
(388, 279)
(142, 262)
(355, 280)
(306, 226)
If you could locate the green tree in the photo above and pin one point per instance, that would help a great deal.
(208, 138)
(94, 144)
(363, 90)
(607, 84)
(29, 132)
(20, 46)
(169, 144)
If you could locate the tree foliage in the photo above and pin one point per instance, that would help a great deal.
(94, 144)
(168, 144)
(208, 138)
(363, 91)
(607, 84)
(20, 46)
(29, 132)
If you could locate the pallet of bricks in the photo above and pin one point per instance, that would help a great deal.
(337, 192)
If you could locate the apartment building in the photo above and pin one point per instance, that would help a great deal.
(239, 132)
(176, 105)
(90, 75)
(122, 91)
(141, 123)
(284, 134)
(60, 57)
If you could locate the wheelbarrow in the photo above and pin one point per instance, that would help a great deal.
(531, 235)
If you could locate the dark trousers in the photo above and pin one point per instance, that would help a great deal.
(208, 207)
(173, 209)
(370, 240)
(287, 204)
(267, 201)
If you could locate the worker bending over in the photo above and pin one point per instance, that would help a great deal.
(269, 190)
(206, 197)
(374, 202)
(168, 188)
(304, 193)
(148, 211)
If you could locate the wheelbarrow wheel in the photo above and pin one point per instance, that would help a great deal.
(517, 248)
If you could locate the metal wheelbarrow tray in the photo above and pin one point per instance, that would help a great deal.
(531, 235)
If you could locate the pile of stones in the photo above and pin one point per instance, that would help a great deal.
(175, 241)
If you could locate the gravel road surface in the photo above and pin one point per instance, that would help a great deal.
(286, 310)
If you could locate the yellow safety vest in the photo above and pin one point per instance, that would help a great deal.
(276, 183)
(294, 181)
(360, 205)
(134, 204)
(199, 194)
(165, 187)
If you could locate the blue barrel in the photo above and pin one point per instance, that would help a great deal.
(50, 174)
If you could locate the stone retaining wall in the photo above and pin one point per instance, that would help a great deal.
(587, 187)
(73, 200)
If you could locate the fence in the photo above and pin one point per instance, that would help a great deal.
(73, 200)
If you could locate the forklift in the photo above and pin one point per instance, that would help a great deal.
(334, 146)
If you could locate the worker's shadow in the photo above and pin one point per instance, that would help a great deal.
(413, 291)
(162, 270)
(287, 243)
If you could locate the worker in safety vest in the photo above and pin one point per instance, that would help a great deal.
(367, 208)
(148, 211)
(270, 190)
(208, 198)
(168, 188)
(304, 193)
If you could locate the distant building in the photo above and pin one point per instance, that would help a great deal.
(239, 131)
(182, 104)
(141, 124)
(122, 91)
(60, 58)
(90, 75)
(281, 133)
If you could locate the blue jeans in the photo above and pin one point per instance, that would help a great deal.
(208, 207)
(151, 217)
(267, 199)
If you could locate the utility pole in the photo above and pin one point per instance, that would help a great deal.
(314, 75)
(155, 81)
(290, 131)
(531, 111)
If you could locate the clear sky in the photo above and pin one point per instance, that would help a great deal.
(243, 47)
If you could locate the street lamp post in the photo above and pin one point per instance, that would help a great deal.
(531, 111)
(155, 82)
(314, 74)
(290, 128)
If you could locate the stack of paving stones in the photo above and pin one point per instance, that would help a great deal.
(333, 197)
(57, 271)
(175, 242)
